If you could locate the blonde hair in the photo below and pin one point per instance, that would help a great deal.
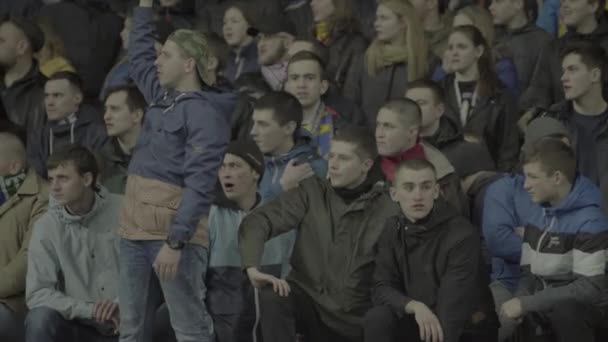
(413, 42)
(482, 19)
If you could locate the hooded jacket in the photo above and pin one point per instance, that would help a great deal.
(492, 119)
(114, 166)
(563, 252)
(304, 149)
(546, 86)
(182, 140)
(24, 102)
(333, 257)
(73, 260)
(519, 43)
(437, 262)
(564, 112)
(84, 127)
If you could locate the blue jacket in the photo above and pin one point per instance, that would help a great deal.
(184, 136)
(548, 17)
(563, 251)
(505, 203)
(270, 186)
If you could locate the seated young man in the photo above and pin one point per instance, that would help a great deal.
(429, 283)
(23, 199)
(71, 284)
(563, 252)
(398, 139)
(240, 175)
(338, 220)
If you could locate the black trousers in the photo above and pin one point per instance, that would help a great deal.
(283, 317)
(381, 324)
(565, 322)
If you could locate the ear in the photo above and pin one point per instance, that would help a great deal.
(436, 191)
(290, 128)
(596, 75)
(415, 131)
(558, 178)
(88, 179)
(190, 65)
(78, 96)
(213, 64)
(479, 51)
(324, 87)
(22, 46)
(367, 164)
(393, 192)
(138, 116)
(256, 175)
(441, 109)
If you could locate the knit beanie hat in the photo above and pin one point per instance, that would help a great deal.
(543, 127)
(249, 151)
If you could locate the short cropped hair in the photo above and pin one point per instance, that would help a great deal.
(434, 87)
(553, 155)
(593, 56)
(361, 138)
(407, 110)
(284, 106)
(416, 165)
(135, 99)
(73, 79)
(309, 56)
(83, 160)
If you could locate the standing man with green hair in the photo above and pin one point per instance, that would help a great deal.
(172, 176)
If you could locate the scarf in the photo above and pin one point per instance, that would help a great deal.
(350, 195)
(380, 55)
(389, 164)
(275, 75)
(9, 185)
(321, 128)
(322, 32)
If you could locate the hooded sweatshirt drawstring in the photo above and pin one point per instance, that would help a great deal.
(71, 119)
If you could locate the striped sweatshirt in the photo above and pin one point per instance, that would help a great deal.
(564, 250)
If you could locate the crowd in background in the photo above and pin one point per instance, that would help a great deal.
(303, 170)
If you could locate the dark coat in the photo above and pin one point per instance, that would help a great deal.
(436, 262)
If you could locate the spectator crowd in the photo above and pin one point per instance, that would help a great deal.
(303, 170)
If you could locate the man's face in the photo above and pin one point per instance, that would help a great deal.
(171, 65)
(67, 185)
(540, 185)
(271, 49)
(577, 78)
(10, 38)
(61, 99)
(237, 178)
(118, 118)
(431, 109)
(235, 27)
(574, 12)
(392, 135)
(267, 133)
(415, 191)
(304, 81)
(345, 168)
(503, 11)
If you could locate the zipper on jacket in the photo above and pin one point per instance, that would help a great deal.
(539, 243)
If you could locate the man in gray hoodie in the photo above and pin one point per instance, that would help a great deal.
(171, 181)
(71, 287)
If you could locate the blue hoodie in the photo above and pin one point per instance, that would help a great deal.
(184, 136)
(270, 186)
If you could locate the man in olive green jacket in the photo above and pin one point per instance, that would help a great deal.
(339, 221)
(23, 199)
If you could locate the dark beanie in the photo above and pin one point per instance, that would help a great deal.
(248, 150)
(469, 158)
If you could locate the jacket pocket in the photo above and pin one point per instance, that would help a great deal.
(170, 138)
(155, 205)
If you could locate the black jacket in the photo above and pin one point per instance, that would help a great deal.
(494, 120)
(88, 130)
(344, 46)
(525, 45)
(24, 102)
(546, 86)
(436, 262)
(448, 136)
(563, 112)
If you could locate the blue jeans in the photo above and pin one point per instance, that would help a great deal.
(11, 325)
(44, 324)
(141, 292)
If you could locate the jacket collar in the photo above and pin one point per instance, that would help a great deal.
(31, 186)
